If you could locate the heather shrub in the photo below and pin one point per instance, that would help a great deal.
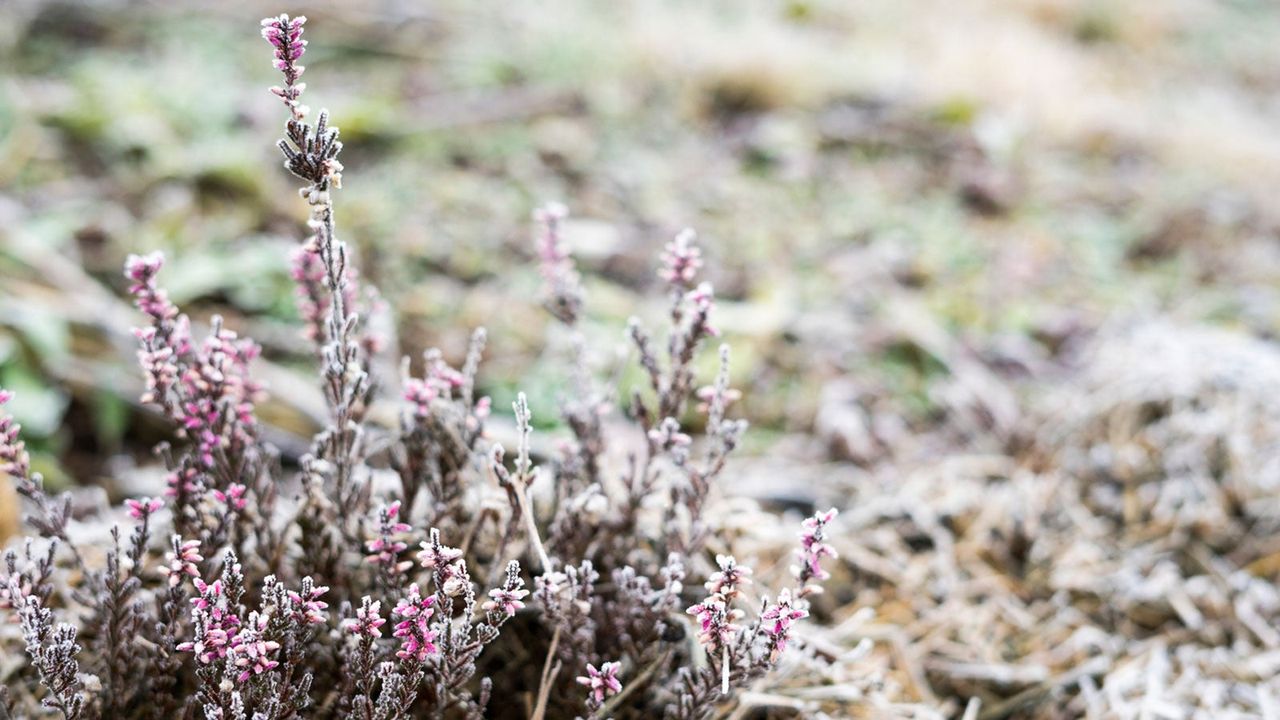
(421, 570)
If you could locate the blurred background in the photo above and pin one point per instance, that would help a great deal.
(965, 249)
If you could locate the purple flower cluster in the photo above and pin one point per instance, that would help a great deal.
(251, 651)
(509, 598)
(440, 381)
(305, 604)
(182, 559)
(14, 459)
(715, 622)
(183, 483)
(285, 35)
(149, 297)
(729, 580)
(214, 622)
(308, 273)
(417, 639)
(601, 683)
(143, 508)
(208, 391)
(681, 259)
(643, 523)
(449, 569)
(219, 394)
(233, 497)
(716, 613)
(777, 619)
(384, 550)
(368, 621)
(813, 548)
(562, 283)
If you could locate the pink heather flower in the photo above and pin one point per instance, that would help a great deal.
(703, 298)
(152, 300)
(813, 547)
(440, 381)
(144, 507)
(285, 35)
(312, 295)
(707, 393)
(308, 274)
(251, 651)
(307, 605)
(601, 683)
(13, 451)
(210, 594)
(182, 560)
(420, 394)
(681, 259)
(667, 436)
(13, 590)
(714, 627)
(562, 283)
(434, 555)
(184, 482)
(214, 624)
(509, 598)
(385, 549)
(208, 392)
(551, 248)
(445, 378)
(729, 580)
(483, 407)
(778, 619)
(233, 498)
(416, 637)
(368, 620)
(506, 601)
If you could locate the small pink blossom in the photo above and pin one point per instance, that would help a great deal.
(13, 453)
(13, 590)
(602, 683)
(182, 560)
(416, 637)
(778, 619)
(703, 298)
(143, 507)
(368, 620)
(183, 482)
(506, 601)
(727, 583)
(681, 259)
(385, 549)
(562, 285)
(714, 627)
(214, 624)
(307, 605)
(707, 393)
(813, 548)
(420, 394)
(233, 498)
(285, 35)
(251, 651)
(437, 556)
